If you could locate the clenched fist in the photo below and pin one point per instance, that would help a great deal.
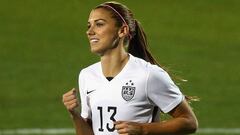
(128, 128)
(70, 100)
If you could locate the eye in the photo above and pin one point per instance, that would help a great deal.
(99, 24)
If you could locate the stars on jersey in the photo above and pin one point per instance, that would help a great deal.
(128, 91)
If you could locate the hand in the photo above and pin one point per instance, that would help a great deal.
(70, 100)
(128, 128)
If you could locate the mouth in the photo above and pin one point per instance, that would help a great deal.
(94, 40)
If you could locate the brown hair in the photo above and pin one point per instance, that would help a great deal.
(137, 40)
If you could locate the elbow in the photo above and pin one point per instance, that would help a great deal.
(192, 125)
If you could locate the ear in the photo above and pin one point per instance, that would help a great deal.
(123, 31)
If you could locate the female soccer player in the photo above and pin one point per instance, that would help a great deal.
(125, 92)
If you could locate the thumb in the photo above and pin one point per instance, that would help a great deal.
(118, 122)
(74, 91)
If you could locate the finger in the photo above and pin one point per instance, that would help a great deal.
(120, 125)
(69, 98)
(70, 102)
(122, 131)
(72, 106)
(71, 92)
(118, 122)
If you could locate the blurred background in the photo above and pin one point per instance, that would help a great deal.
(43, 47)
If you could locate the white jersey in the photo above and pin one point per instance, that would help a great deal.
(132, 95)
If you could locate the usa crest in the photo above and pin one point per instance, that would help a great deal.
(128, 91)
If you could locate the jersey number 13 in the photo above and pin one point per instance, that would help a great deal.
(113, 111)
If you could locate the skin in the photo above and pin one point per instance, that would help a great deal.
(109, 45)
(82, 125)
(106, 40)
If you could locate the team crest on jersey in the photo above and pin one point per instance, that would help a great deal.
(128, 91)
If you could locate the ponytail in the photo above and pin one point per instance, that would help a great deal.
(137, 40)
(138, 45)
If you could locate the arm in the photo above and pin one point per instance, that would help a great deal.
(82, 125)
(183, 122)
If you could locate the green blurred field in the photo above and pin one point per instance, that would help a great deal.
(43, 46)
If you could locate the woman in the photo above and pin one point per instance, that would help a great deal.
(124, 92)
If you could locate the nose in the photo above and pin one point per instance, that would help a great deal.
(90, 31)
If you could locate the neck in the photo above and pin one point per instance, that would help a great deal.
(113, 62)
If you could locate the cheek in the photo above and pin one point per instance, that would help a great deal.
(108, 31)
(109, 35)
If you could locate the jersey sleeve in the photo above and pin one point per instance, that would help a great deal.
(162, 91)
(85, 109)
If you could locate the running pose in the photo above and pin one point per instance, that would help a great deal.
(124, 93)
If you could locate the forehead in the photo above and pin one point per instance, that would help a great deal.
(100, 13)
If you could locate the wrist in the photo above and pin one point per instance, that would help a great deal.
(144, 128)
(73, 114)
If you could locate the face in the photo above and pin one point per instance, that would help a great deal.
(102, 31)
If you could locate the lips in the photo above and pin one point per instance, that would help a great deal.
(94, 40)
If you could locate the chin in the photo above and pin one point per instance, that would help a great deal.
(96, 51)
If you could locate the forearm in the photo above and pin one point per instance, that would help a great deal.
(82, 127)
(175, 126)
(71, 103)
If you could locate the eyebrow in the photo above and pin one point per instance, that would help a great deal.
(98, 20)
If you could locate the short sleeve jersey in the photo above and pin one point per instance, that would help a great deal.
(131, 95)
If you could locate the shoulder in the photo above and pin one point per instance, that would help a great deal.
(158, 73)
(139, 63)
(92, 69)
(151, 68)
(154, 72)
